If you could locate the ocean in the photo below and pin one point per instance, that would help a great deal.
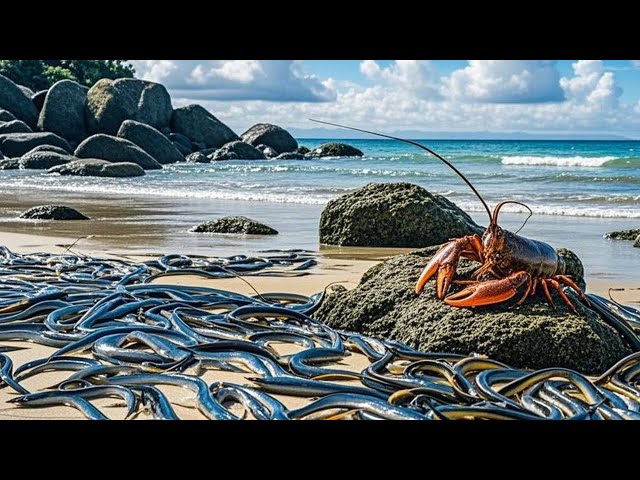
(578, 190)
(578, 178)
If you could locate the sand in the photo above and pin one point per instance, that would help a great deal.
(338, 265)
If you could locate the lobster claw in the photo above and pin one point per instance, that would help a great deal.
(445, 261)
(488, 292)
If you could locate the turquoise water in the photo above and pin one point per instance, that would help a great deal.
(578, 178)
(579, 190)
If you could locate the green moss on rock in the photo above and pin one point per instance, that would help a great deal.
(393, 215)
(533, 335)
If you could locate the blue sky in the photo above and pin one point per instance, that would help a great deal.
(585, 97)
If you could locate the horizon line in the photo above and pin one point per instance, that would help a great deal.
(479, 139)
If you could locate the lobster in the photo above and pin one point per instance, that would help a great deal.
(512, 259)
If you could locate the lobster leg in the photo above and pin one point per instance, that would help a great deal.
(555, 282)
(563, 295)
(545, 289)
(445, 261)
(527, 292)
(489, 292)
(534, 287)
(567, 281)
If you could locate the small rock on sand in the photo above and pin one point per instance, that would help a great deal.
(238, 224)
(53, 212)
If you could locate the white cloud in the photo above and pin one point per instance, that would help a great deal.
(591, 98)
(506, 81)
(591, 85)
(419, 76)
(271, 80)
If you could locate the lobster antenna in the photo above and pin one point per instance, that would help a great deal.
(439, 157)
(496, 211)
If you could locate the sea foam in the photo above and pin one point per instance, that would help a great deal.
(564, 210)
(577, 161)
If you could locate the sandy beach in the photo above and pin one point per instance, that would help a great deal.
(344, 266)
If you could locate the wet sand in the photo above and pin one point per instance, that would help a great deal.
(153, 224)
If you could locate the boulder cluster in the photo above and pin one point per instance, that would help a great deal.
(130, 124)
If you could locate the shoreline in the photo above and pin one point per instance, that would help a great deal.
(159, 225)
(344, 265)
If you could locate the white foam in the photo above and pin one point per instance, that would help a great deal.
(564, 210)
(556, 161)
(127, 190)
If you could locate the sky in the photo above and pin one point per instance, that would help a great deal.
(539, 97)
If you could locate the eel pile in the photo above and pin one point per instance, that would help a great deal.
(117, 335)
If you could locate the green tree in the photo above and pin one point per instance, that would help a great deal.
(41, 74)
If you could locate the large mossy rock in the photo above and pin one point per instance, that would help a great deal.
(200, 126)
(114, 149)
(151, 141)
(533, 335)
(53, 212)
(393, 215)
(13, 99)
(237, 151)
(17, 144)
(238, 225)
(111, 102)
(271, 135)
(93, 167)
(637, 242)
(63, 111)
